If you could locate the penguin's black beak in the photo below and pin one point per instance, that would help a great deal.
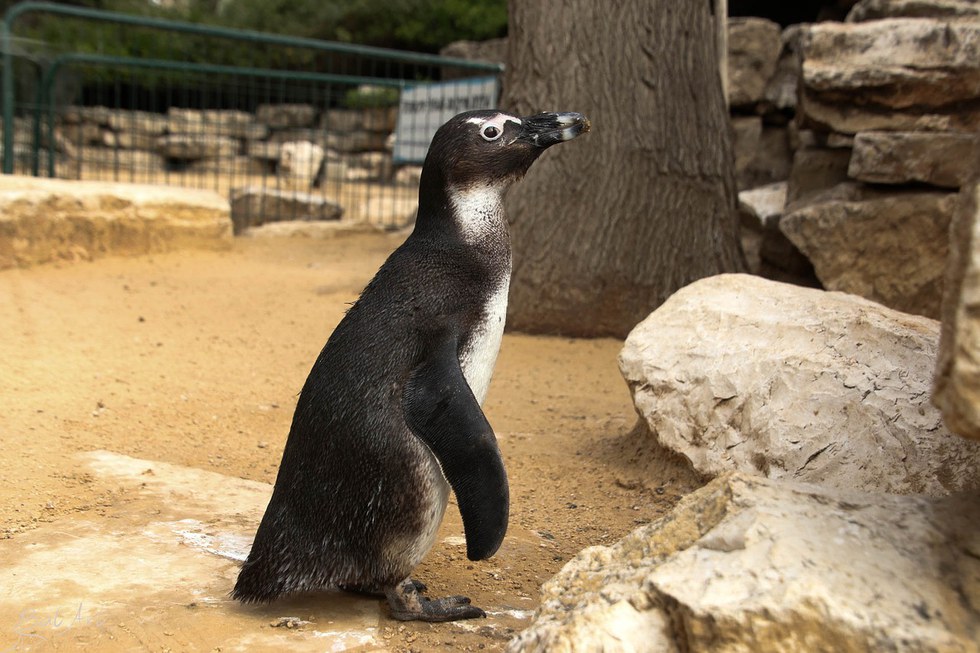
(547, 129)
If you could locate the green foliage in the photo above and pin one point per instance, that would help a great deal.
(425, 25)
(419, 25)
(371, 97)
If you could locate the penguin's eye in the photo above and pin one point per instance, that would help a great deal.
(490, 133)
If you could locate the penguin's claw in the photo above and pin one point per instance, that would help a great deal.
(408, 605)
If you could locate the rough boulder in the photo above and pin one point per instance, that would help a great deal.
(738, 373)
(747, 564)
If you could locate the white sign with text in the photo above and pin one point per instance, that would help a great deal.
(424, 108)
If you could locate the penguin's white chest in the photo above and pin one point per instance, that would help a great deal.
(480, 355)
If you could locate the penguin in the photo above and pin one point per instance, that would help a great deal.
(389, 420)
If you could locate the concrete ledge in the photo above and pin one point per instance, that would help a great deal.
(45, 220)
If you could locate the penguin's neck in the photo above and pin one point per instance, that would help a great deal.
(472, 213)
(478, 213)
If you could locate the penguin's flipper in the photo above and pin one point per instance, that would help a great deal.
(441, 410)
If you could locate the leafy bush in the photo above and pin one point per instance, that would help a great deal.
(371, 97)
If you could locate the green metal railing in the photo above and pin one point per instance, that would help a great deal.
(215, 74)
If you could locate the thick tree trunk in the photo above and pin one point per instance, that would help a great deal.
(605, 228)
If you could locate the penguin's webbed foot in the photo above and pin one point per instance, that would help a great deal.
(407, 604)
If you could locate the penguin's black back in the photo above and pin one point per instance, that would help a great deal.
(352, 482)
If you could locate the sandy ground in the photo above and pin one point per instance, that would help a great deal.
(196, 359)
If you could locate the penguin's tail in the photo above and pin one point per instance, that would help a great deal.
(257, 584)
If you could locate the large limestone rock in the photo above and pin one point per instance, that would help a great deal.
(286, 116)
(763, 206)
(738, 373)
(945, 159)
(139, 161)
(97, 115)
(754, 45)
(890, 249)
(252, 206)
(370, 166)
(957, 389)
(897, 74)
(878, 9)
(226, 123)
(43, 220)
(344, 121)
(137, 122)
(81, 133)
(358, 141)
(391, 213)
(300, 159)
(192, 147)
(747, 564)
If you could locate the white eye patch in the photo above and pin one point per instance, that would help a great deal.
(491, 128)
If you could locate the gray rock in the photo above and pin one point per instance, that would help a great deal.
(319, 230)
(376, 166)
(754, 45)
(264, 150)
(772, 160)
(877, 9)
(408, 175)
(255, 205)
(764, 205)
(762, 152)
(137, 122)
(211, 123)
(747, 131)
(135, 140)
(896, 74)
(781, 260)
(358, 141)
(747, 564)
(81, 133)
(815, 170)
(783, 87)
(945, 159)
(760, 210)
(286, 116)
(188, 147)
(395, 212)
(121, 159)
(739, 373)
(96, 115)
(891, 249)
(234, 166)
(346, 121)
(290, 135)
(957, 387)
(300, 159)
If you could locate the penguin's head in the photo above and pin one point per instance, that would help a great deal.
(492, 148)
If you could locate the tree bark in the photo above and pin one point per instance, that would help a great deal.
(607, 227)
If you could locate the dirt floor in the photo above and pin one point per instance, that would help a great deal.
(196, 359)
